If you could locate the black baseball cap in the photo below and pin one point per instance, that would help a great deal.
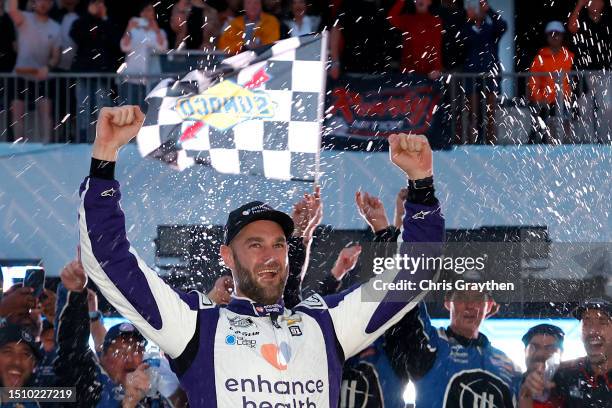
(596, 304)
(12, 333)
(120, 330)
(544, 328)
(255, 211)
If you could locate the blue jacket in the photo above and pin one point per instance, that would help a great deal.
(368, 380)
(449, 370)
(45, 373)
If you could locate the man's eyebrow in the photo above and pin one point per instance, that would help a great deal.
(253, 239)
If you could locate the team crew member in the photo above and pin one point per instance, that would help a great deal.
(541, 342)
(118, 378)
(455, 366)
(254, 352)
(587, 381)
(19, 354)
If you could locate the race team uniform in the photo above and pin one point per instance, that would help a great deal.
(246, 354)
(449, 370)
(578, 386)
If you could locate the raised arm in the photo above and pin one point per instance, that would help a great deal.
(499, 24)
(335, 50)
(357, 317)
(166, 317)
(307, 214)
(96, 325)
(15, 14)
(412, 344)
(395, 14)
(297, 260)
(75, 365)
(573, 25)
(126, 41)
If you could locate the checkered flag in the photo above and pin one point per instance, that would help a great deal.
(259, 113)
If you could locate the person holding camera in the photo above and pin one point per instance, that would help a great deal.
(119, 376)
(141, 38)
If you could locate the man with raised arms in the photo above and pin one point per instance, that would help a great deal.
(254, 352)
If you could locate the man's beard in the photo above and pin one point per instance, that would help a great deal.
(249, 287)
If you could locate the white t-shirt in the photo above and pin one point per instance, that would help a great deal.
(35, 41)
(138, 54)
(310, 24)
(68, 47)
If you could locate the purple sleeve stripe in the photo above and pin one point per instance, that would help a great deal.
(196, 367)
(422, 224)
(386, 311)
(106, 227)
(334, 300)
(192, 299)
(159, 312)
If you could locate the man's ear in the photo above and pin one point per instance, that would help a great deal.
(447, 304)
(228, 256)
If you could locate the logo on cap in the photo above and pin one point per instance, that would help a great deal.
(127, 327)
(26, 336)
(257, 209)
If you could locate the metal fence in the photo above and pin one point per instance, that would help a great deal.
(479, 108)
(63, 108)
(521, 108)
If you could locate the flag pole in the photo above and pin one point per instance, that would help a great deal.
(321, 107)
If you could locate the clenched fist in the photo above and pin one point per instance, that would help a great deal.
(115, 128)
(412, 154)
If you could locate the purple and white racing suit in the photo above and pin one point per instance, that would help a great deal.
(245, 354)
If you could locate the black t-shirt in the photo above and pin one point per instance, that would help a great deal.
(594, 41)
(576, 386)
(368, 41)
(453, 20)
(97, 43)
(7, 40)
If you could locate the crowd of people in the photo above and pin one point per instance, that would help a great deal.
(424, 37)
(42, 348)
(209, 338)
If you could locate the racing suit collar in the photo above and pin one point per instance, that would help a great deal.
(246, 306)
(481, 341)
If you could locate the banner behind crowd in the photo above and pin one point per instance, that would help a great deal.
(362, 110)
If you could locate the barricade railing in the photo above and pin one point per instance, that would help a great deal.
(527, 107)
(572, 107)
